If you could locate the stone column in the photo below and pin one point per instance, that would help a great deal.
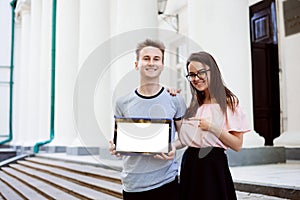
(101, 22)
(45, 71)
(94, 29)
(16, 90)
(288, 46)
(34, 73)
(95, 116)
(5, 41)
(222, 29)
(66, 66)
(21, 81)
(128, 17)
(141, 15)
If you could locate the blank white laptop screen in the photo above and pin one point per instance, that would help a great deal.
(142, 136)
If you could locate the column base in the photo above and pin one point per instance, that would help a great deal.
(253, 139)
(288, 139)
(56, 149)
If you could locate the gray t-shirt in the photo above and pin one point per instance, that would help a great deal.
(142, 173)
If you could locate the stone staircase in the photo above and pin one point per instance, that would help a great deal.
(42, 178)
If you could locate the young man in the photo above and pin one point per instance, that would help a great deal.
(150, 177)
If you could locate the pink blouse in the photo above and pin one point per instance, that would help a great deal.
(191, 135)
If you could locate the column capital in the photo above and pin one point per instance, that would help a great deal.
(22, 7)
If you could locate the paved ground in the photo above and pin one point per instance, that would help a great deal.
(281, 175)
(253, 196)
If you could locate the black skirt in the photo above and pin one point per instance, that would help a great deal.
(205, 174)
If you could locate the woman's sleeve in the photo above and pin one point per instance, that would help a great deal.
(237, 120)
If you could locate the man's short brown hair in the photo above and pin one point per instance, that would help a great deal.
(152, 43)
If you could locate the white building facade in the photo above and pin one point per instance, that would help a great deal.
(72, 59)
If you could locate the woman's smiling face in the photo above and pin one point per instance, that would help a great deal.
(199, 75)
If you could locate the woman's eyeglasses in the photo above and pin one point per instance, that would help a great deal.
(201, 74)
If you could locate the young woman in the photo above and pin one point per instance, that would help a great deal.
(213, 122)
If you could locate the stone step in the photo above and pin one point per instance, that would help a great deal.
(87, 170)
(1, 198)
(8, 193)
(62, 184)
(14, 159)
(24, 190)
(102, 185)
(33, 177)
(45, 189)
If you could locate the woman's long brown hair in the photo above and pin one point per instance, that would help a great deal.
(216, 87)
